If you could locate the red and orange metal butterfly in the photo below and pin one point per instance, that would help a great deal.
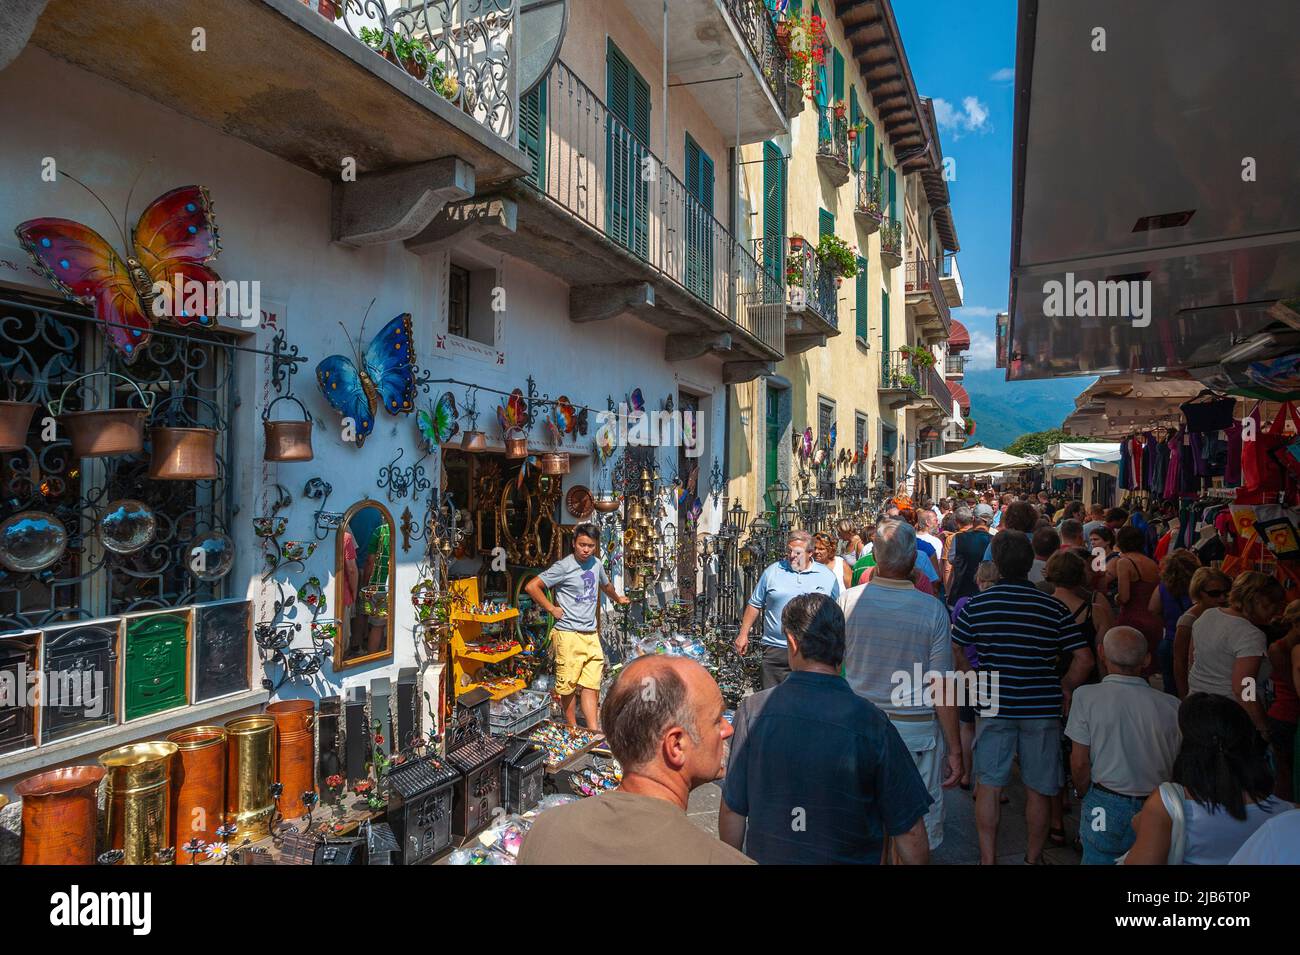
(175, 235)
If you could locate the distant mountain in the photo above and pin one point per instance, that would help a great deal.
(1004, 410)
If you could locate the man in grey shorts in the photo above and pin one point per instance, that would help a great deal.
(1019, 633)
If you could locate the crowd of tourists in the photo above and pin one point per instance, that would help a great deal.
(1010, 640)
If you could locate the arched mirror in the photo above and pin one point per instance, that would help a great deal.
(365, 584)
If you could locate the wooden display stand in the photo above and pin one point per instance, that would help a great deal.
(467, 630)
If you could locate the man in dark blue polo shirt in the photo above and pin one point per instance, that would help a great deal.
(817, 773)
(1021, 636)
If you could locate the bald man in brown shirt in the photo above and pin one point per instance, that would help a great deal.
(664, 723)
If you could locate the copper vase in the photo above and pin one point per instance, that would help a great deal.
(60, 816)
(295, 753)
(287, 440)
(137, 812)
(198, 805)
(250, 769)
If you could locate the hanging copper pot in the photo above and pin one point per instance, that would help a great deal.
(295, 753)
(15, 419)
(605, 503)
(97, 434)
(198, 798)
(137, 798)
(516, 444)
(250, 770)
(555, 462)
(60, 816)
(287, 440)
(183, 454)
(474, 442)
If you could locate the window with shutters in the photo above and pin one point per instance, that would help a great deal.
(700, 224)
(837, 76)
(825, 422)
(532, 133)
(627, 200)
(774, 173)
(893, 195)
(825, 223)
(863, 297)
(869, 148)
(860, 424)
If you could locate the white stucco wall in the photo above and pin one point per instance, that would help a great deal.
(274, 222)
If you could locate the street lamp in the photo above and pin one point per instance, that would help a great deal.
(778, 494)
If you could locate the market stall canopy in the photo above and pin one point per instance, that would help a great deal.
(1071, 459)
(1149, 181)
(976, 460)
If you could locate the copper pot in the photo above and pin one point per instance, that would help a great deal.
(287, 440)
(198, 805)
(555, 462)
(15, 419)
(516, 444)
(97, 434)
(474, 441)
(183, 454)
(605, 504)
(250, 769)
(60, 815)
(137, 798)
(295, 753)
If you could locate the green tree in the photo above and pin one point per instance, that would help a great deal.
(1037, 443)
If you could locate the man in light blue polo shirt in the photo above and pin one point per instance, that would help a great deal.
(782, 581)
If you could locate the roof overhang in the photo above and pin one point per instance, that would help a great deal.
(1166, 120)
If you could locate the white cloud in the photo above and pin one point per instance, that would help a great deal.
(972, 117)
(982, 351)
(977, 311)
(1005, 75)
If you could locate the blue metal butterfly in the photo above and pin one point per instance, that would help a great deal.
(384, 374)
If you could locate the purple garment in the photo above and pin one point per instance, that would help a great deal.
(1232, 467)
(1187, 479)
(1172, 487)
(957, 608)
(1150, 460)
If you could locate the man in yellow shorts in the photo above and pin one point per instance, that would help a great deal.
(577, 581)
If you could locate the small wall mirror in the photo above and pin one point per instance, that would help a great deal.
(364, 585)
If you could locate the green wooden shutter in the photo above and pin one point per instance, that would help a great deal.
(532, 133)
(880, 159)
(627, 194)
(837, 75)
(854, 116)
(825, 223)
(773, 220)
(893, 194)
(773, 433)
(863, 298)
(699, 221)
(884, 326)
(870, 147)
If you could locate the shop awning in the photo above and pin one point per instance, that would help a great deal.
(958, 338)
(1132, 184)
(976, 460)
(960, 395)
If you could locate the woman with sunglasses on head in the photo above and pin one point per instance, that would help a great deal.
(1209, 588)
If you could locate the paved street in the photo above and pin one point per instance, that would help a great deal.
(960, 843)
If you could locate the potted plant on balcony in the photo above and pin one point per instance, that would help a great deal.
(918, 356)
(410, 54)
(329, 9)
(796, 243)
(838, 255)
(839, 108)
(907, 381)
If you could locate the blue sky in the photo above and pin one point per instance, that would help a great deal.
(963, 55)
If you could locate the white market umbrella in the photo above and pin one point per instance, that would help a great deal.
(976, 460)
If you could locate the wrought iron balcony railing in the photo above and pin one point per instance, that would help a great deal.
(755, 23)
(592, 165)
(891, 242)
(899, 373)
(464, 50)
(955, 366)
(937, 388)
(923, 278)
(832, 136)
(870, 198)
(811, 284)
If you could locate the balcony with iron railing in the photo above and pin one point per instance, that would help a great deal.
(833, 144)
(604, 212)
(811, 290)
(431, 81)
(926, 299)
(707, 41)
(891, 243)
(869, 207)
(906, 381)
(954, 366)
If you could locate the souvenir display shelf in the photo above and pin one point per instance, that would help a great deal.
(467, 630)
